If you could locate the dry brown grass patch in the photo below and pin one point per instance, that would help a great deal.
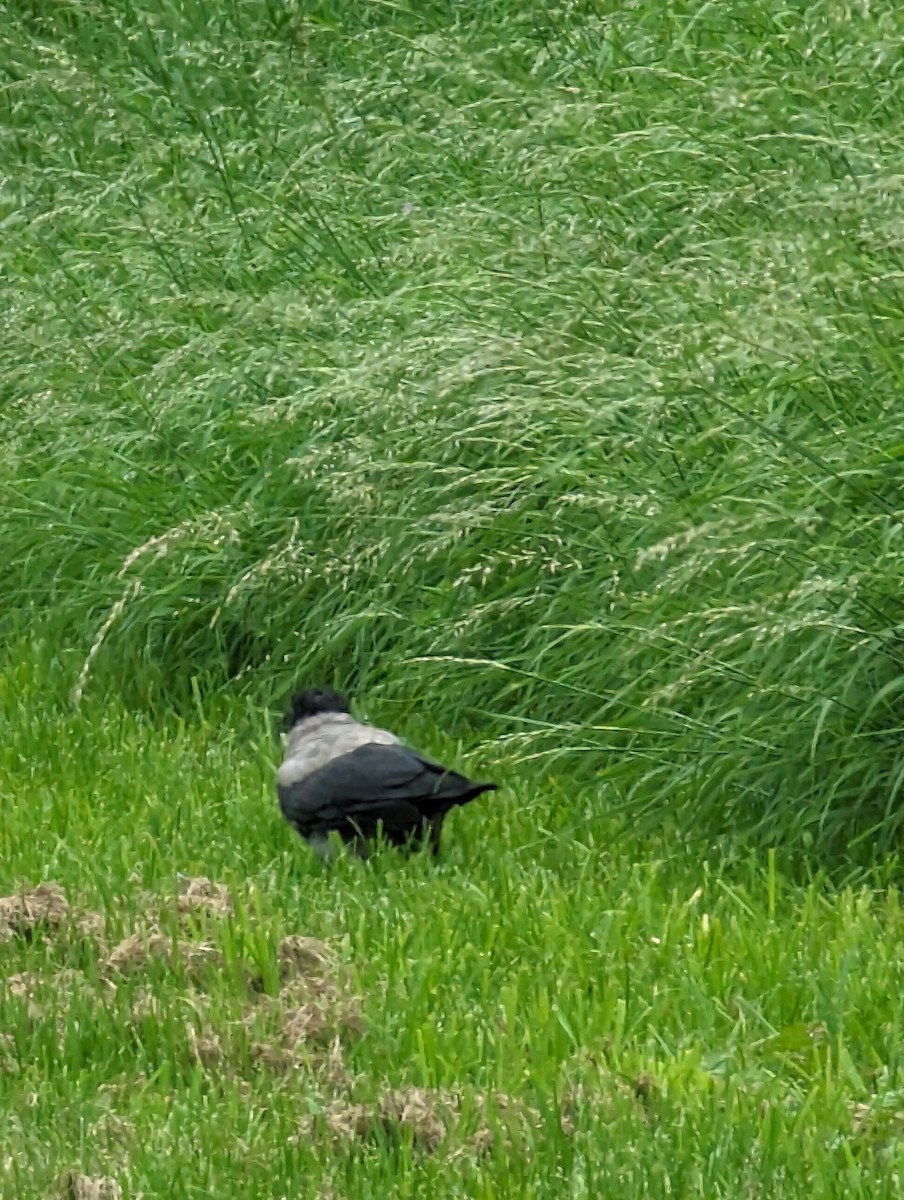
(44, 907)
(198, 894)
(28, 984)
(877, 1121)
(112, 1128)
(325, 1065)
(426, 1115)
(301, 957)
(314, 1004)
(320, 1018)
(225, 1051)
(135, 954)
(197, 901)
(8, 1054)
(75, 1186)
(429, 1117)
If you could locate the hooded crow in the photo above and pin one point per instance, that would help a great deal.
(340, 776)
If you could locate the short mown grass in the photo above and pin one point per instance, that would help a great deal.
(668, 1025)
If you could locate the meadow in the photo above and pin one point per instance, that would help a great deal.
(532, 372)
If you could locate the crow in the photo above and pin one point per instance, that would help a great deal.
(340, 776)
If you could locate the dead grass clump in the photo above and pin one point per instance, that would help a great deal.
(299, 1029)
(75, 1186)
(24, 987)
(514, 1120)
(326, 1066)
(226, 1048)
(312, 1012)
(861, 1115)
(146, 1005)
(224, 1053)
(149, 1005)
(28, 984)
(24, 913)
(428, 1114)
(45, 907)
(213, 1052)
(198, 894)
(198, 898)
(300, 961)
(315, 1004)
(425, 1115)
(330, 1067)
(125, 1087)
(135, 954)
(291, 1031)
(303, 957)
(429, 1117)
(322, 1018)
(8, 1054)
(273, 1058)
(307, 989)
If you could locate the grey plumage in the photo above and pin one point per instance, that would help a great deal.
(341, 776)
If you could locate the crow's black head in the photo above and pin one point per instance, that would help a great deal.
(312, 701)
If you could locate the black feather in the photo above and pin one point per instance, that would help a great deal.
(310, 702)
(377, 787)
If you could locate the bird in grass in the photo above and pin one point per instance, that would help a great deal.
(339, 776)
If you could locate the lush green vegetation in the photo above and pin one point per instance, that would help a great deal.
(534, 372)
(759, 1023)
(551, 354)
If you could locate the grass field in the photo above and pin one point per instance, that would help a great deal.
(533, 372)
(654, 1024)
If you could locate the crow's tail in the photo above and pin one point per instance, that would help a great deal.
(474, 790)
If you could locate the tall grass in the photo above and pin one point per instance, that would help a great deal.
(542, 362)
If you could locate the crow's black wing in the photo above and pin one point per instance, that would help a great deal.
(397, 773)
(388, 785)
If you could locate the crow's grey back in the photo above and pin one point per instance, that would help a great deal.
(319, 740)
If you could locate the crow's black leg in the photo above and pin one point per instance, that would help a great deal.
(434, 834)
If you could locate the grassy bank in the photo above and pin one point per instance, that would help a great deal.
(548, 354)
